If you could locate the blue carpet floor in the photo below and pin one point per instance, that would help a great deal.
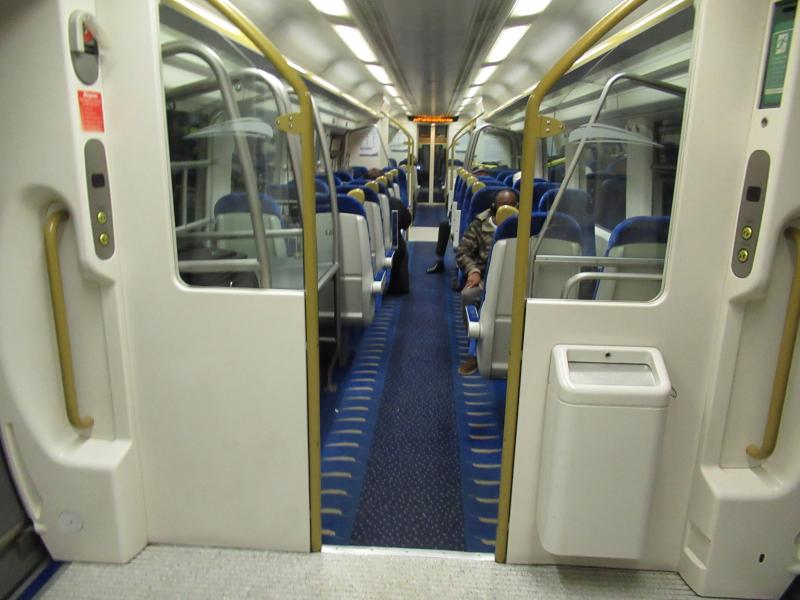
(429, 216)
(412, 495)
(411, 450)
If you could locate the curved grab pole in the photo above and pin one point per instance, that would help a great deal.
(784, 363)
(304, 126)
(54, 221)
(217, 67)
(451, 150)
(531, 135)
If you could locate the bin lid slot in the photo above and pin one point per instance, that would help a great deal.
(609, 373)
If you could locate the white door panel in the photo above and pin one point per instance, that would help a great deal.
(681, 323)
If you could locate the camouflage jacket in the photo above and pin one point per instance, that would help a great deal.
(472, 253)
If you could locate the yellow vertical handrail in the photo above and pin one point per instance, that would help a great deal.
(531, 135)
(451, 150)
(783, 366)
(51, 228)
(411, 174)
(304, 127)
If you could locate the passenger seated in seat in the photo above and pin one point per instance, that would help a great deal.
(399, 281)
(472, 255)
(444, 235)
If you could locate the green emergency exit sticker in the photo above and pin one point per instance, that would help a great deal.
(778, 57)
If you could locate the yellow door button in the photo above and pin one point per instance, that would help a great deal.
(747, 232)
(102, 217)
(743, 256)
(104, 239)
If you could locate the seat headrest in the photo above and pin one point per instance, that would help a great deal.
(577, 203)
(483, 199)
(640, 230)
(349, 204)
(343, 176)
(562, 227)
(369, 195)
(357, 194)
(236, 202)
(359, 172)
(505, 212)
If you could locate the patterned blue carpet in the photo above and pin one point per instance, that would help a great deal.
(429, 216)
(411, 450)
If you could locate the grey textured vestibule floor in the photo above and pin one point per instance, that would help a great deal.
(179, 572)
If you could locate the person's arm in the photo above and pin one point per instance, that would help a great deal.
(468, 250)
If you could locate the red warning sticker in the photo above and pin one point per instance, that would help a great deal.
(91, 105)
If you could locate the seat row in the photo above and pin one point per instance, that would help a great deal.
(637, 237)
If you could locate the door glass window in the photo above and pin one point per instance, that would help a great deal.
(230, 165)
(608, 233)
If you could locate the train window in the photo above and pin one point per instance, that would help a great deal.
(494, 147)
(230, 165)
(609, 178)
(398, 148)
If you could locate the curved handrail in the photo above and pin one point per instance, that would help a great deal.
(590, 275)
(529, 143)
(784, 364)
(51, 227)
(411, 175)
(304, 126)
(217, 67)
(468, 127)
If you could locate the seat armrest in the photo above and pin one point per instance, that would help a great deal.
(379, 284)
(387, 260)
(473, 322)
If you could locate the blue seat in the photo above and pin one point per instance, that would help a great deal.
(349, 205)
(492, 329)
(637, 237)
(343, 176)
(236, 202)
(359, 172)
(578, 204)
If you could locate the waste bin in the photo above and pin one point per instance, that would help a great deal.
(604, 421)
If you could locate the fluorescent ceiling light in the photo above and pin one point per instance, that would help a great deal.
(484, 74)
(336, 8)
(505, 42)
(526, 8)
(471, 92)
(356, 42)
(391, 90)
(379, 73)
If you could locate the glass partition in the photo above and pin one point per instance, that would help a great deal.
(495, 148)
(231, 166)
(605, 200)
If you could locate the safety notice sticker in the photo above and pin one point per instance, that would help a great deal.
(91, 105)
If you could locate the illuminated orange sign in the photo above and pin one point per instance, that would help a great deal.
(433, 119)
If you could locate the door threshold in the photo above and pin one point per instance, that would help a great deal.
(408, 552)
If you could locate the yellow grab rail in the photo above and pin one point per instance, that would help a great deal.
(451, 150)
(784, 363)
(531, 135)
(411, 174)
(51, 227)
(304, 127)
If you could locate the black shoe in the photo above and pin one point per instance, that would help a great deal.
(438, 267)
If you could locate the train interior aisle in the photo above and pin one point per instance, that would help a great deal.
(411, 449)
(339, 298)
